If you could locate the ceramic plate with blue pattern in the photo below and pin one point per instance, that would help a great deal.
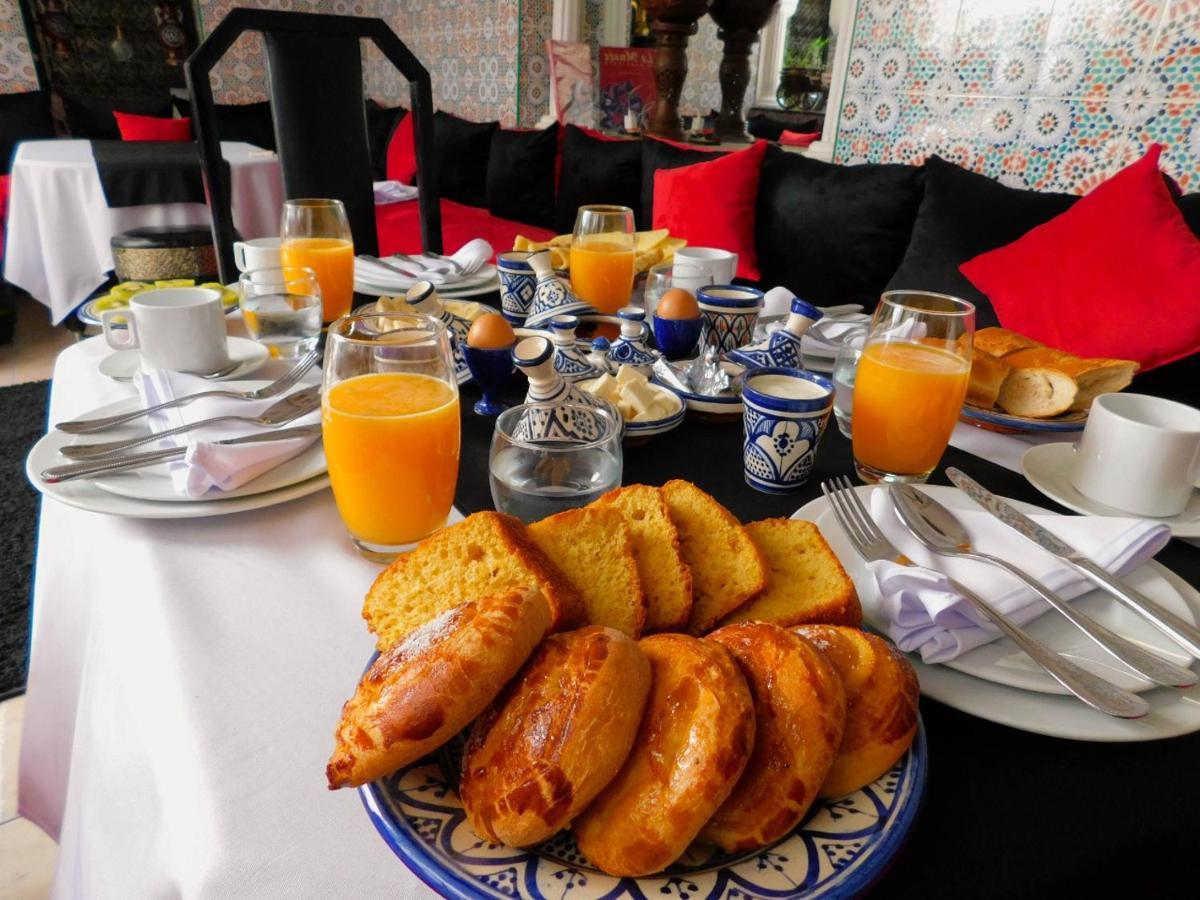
(1006, 423)
(838, 851)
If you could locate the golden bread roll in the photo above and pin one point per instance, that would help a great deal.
(987, 377)
(691, 749)
(881, 704)
(1038, 392)
(429, 687)
(799, 711)
(1092, 376)
(995, 341)
(555, 737)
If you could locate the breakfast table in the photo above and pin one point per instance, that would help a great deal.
(186, 676)
(56, 201)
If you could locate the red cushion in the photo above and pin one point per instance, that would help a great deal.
(1117, 274)
(796, 139)
(402, 153)
(711, 204)
(398, 226)
(152, 128)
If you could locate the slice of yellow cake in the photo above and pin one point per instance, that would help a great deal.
(808, 584)
(727, 567)
(593, 548)
(485, 554)
(666, 578)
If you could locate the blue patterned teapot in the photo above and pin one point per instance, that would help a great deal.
(534, 357)
(552, 296)
(781, 348)
(572, 363)
(423, 297)
(630, 348)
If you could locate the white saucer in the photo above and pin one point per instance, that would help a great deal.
(122, 365)
(1047, 467)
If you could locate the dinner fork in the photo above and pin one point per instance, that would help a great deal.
(872, 545)
(440, 263)
(276, 387)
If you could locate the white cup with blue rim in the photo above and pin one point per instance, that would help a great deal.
(784, 414)
(518, 285)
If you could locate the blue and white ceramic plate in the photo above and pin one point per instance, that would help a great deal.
(1006, 423)
(838, 851)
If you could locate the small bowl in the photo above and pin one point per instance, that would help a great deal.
(677, 338)
(719, 408)
(637, 433)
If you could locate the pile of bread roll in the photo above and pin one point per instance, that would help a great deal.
(639, 746)
(1027, 378)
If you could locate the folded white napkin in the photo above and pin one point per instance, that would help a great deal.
(925, 614)
(208, 466)
(471, 257)
(393, 192)
(777, 302)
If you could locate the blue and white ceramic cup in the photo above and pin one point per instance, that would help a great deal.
(518, 284)
(729, 313)
(785, 412)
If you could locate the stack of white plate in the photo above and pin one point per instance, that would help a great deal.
(482, 282)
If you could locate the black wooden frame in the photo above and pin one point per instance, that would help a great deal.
(204, 120)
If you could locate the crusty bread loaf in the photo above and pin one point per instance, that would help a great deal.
(691, 749)
(995, 341)
(486, 553)
(1092, 376)
(666, 578)
(881, 704)
(430, 686)
(1037, 391)
(987, 377)
(593, 548)
(728, 569)
(799, 711)
(807, 581)
(555, 737)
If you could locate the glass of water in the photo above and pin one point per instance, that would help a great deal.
(282, 309)
(537, 476)
(845, 366)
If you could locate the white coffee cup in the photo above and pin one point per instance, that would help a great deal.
(181, 329)
(1139, 454)
(720, 264)
(260, 253)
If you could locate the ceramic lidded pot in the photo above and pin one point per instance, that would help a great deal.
(534, 357)
(488, 353)
(785, 412)
(730, 313)
(630, 348)
(423, 298)
(518, 282)
(552, 296)
(572, 363)
(781, 348)
(598, 355)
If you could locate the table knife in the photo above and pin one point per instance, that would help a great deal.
(1183, 633)
(127, 461)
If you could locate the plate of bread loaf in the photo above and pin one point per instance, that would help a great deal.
(641, 697)
(1020, 385)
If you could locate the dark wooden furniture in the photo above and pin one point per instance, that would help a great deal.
(673, 22)
(739, 22)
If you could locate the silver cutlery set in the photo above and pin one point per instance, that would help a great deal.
(109, 457)
(936, 528)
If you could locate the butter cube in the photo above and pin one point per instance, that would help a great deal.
(605, 387)
(629, 375)
(639, 395)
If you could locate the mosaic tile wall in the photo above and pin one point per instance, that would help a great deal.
(16, 61)
(702, 90)
(1045, 94)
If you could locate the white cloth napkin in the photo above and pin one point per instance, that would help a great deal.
(393, 192)
(208, 466)
(925, 614)
(471, 257)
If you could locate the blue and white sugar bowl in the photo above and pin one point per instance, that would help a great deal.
(729, 313)
(780, 348)
(630, 347)
(570, 360)
(552, 296)
(785, 412)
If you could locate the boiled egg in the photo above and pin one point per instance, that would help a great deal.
(677, 303)
(491, 332)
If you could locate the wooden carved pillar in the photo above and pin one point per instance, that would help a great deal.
(739, 22)
(673, 22)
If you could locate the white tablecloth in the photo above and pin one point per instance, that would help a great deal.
(59, 225)
(164, 767)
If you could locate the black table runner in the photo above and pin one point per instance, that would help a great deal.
(137, 173)
(1006, 813)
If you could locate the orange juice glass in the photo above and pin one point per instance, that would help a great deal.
(316, 235)
(910, 384)
(392, 431)
(602, 258)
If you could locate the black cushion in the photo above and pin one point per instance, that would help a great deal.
(462, 149)
(661, 155)
(962, 215)
(92, 117)
(381, 122)
(23, 117)
(520, 176)
(248, 122)
(597, 171)
(833, 234)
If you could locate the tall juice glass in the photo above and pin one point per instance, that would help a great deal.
(316, 235)
(910, 384)
(391, 428)
(602, 256)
